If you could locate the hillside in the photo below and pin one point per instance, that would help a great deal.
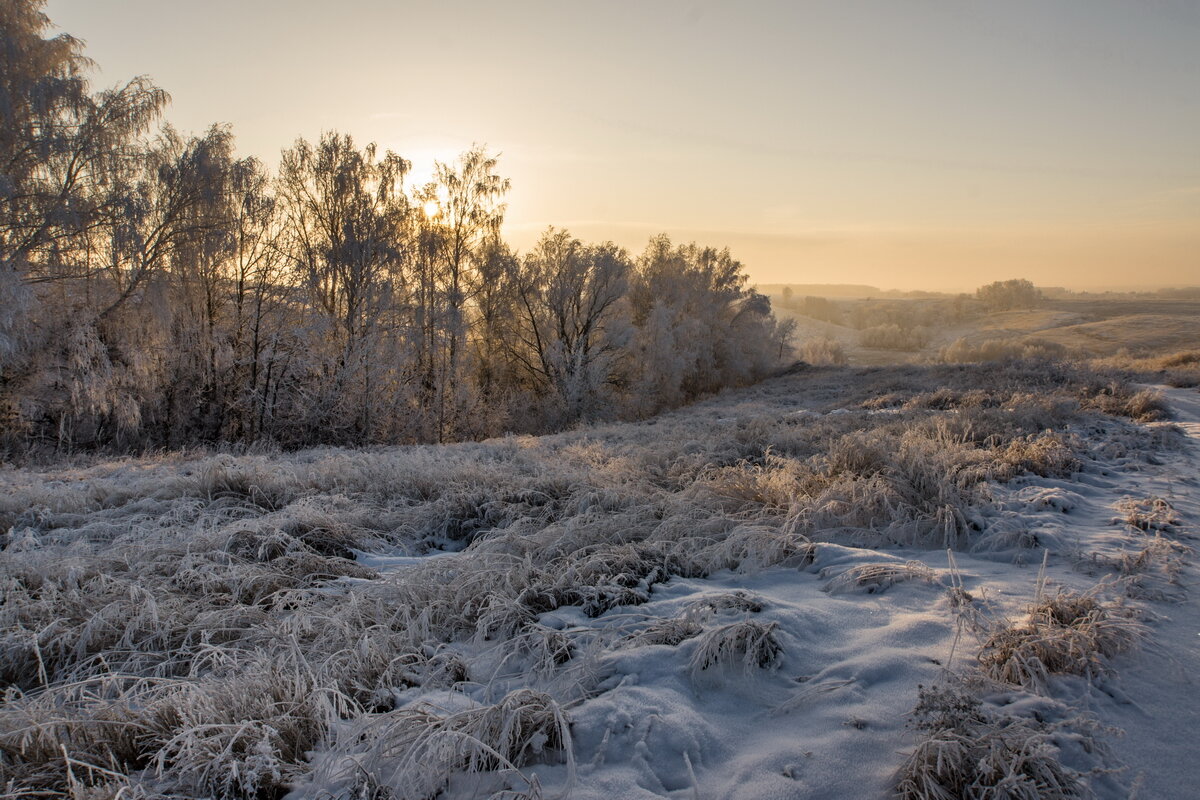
(875, 332)
(741, 598)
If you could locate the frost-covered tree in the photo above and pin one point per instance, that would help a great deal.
(68, 166)
(462, 212)
(64, 152)
(495, 299)
(159, 291)
(1010, 295)
(571, 337)
(699, 326)
(346, 220)
(261, 298)
(125, 351)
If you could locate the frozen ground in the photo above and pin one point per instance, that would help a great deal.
(1159, 710)
(739, 599)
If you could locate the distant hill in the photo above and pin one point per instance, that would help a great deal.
(854, 291)
(843, 290)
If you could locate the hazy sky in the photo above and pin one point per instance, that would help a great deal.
(901, 144)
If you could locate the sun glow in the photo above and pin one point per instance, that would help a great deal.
(422, 155)
(432, 208)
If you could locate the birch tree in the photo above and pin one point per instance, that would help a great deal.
(346, 217)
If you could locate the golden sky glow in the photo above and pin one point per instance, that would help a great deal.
(902, 144)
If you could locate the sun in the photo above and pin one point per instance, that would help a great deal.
(432, 208)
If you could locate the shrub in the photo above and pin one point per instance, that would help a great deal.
(891, 336)
(823, 352)
(964, 351)
(1009, 295)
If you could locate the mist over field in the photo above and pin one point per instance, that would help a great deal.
(347, 473)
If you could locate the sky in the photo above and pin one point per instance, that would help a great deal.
(906, 144)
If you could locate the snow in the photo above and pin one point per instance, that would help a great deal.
(786, 670)
(829, 721)
(1155, 702)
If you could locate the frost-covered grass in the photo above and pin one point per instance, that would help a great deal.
(1065, 633)
(972, 752)
(403, 621)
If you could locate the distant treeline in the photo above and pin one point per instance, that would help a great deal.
(156, 290)
(1167, 293)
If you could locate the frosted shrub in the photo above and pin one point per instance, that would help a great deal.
(823, 352)
(964, 351)
(891, 336)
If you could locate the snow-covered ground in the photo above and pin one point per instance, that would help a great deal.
(1157, 704)
(829, 719)
(735, 600)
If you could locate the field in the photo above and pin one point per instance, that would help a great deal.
(919, 330)
(842, 582)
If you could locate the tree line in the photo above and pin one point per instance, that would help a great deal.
(157, 290)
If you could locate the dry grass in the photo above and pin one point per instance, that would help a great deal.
(1067, 633)
(968, 752)
(1148, 514)
(1180, 368)
(731, 602)
(205, 616)
(876, 578)
(1120, 400)
(413, 753)
(1150, 571)
(739, 647)
(669, 632)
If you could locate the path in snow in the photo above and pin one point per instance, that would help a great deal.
(1163, 681)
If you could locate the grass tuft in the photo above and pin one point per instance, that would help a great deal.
(740, 647)
(967, 752)
(1067, 633)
